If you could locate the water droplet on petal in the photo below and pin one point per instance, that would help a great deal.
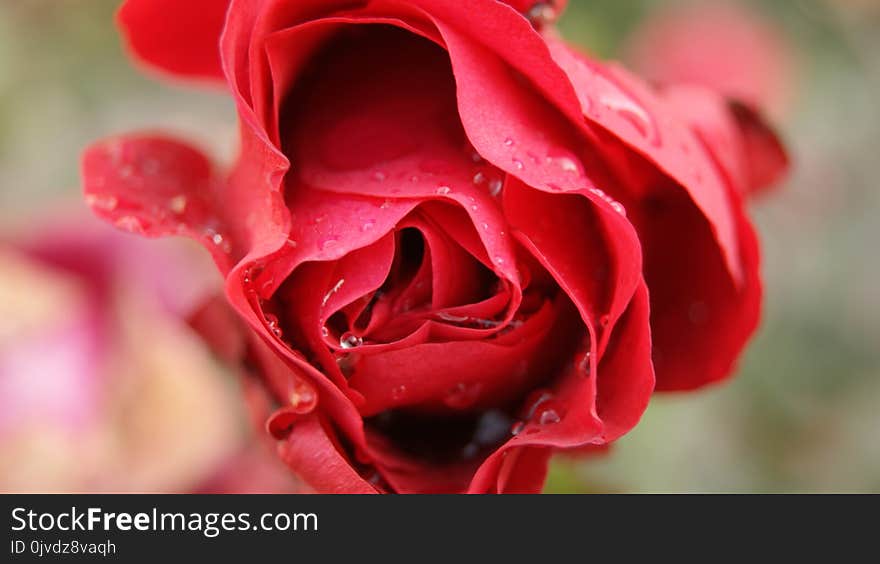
(178, 204)
(517, 428)
(633, 113)
(499, 261)
(347, 363)
(327, 243)
(495, 186)
(518, 164)
(542, 14)
(549, 417)
(379, 176)
(368, 225)
(398, 392)
(584, 366)
(349, 340)
(509, 142)
(332, 291)
(479, 178)
(567, 164)
(303, 397)
(103, 203)
(273, 324)
(463, 395)
(444, 190)
(615, 205)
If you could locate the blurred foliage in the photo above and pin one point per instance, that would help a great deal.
(804, 411)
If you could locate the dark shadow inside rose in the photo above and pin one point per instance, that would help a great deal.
(370, 94)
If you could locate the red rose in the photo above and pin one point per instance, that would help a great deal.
(433, 227)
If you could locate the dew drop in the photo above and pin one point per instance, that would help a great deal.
(332, 291)
(584, 366)
(495, 186)
(444, 190)
(567, 164)
(517, 428)
(273, 324)
(633, 113)
(549, 417)
(542, 14)
(129, 223)
(178, 204)
(103, 203)
(349, 340)
(479, 178)
(327, 243)
(463, 395)
(303, 397)
(398, 392)
(509, 142)
(347, 363)
(368, 225)
(218, 240)
(518, 164)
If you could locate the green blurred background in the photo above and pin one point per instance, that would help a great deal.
(802, 415)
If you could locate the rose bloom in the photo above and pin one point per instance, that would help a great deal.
(84, 404)
(457, 245)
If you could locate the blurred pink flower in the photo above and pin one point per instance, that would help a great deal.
(724, 46)
(103, 385)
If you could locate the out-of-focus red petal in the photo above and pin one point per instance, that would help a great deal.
(216, 323)
(740, 54)
(155, 186)
(742, 144)
(766, 159)
(174, 36)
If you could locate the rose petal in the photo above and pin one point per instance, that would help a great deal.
(156, 186)
(315, 458)
(618, 102)
(700, 319)
(181, 38)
